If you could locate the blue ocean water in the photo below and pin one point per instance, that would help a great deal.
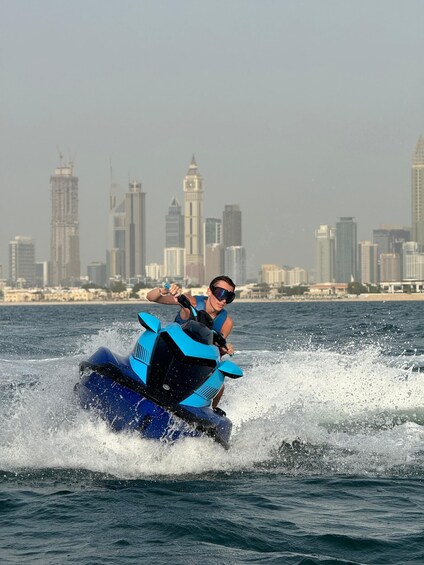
(326, 463)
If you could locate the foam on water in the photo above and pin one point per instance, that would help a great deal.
(304, 411)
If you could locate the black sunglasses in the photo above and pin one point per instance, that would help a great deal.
(223, 294)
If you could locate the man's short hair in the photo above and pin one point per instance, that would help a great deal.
(222, 278)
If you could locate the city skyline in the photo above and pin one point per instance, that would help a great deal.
(120, 195)
(299, 112)
(64, 197)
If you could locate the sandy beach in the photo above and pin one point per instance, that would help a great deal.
(378, 297)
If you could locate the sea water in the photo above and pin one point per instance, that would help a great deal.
(326, 463)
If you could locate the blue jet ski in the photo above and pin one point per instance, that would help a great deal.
(165, 387)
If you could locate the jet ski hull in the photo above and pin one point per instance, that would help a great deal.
(108, 387)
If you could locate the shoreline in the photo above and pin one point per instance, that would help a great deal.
(393, 297)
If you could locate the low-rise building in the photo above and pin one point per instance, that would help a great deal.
(328, 289)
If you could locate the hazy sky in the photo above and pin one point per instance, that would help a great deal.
(300, 111)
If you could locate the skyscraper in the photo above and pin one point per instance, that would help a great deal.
(346, 250)
(367, 261)
(174, 225)
(193, 224)
(135, 231)
(115, 255)
(22, 260)
(234, 252)
(390, 267)
(96, 273)
(390, 238)
(214, 251)
(231, 225)
(214, 260)
(413, 262)
(418, 194)
(65, 256)
(174, 263)
(235, 263)
(42, 273)
(325, 249)
(213, 231)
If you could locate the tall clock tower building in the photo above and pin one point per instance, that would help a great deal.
(193, 224)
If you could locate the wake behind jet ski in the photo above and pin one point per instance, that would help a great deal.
(164, 389)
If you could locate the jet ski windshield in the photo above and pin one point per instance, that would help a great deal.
(198, 331)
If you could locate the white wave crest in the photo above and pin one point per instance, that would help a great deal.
(349, 413)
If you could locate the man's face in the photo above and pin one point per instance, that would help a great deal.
(218, 305)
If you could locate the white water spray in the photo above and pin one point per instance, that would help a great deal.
(351, 413)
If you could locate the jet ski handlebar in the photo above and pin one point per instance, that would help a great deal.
(202, 317)
(185, 303)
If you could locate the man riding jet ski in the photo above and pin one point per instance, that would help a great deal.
(220, 293)
(164, 389)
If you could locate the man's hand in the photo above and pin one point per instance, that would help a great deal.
(227, 350)
(174, 290)
(230, 348)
